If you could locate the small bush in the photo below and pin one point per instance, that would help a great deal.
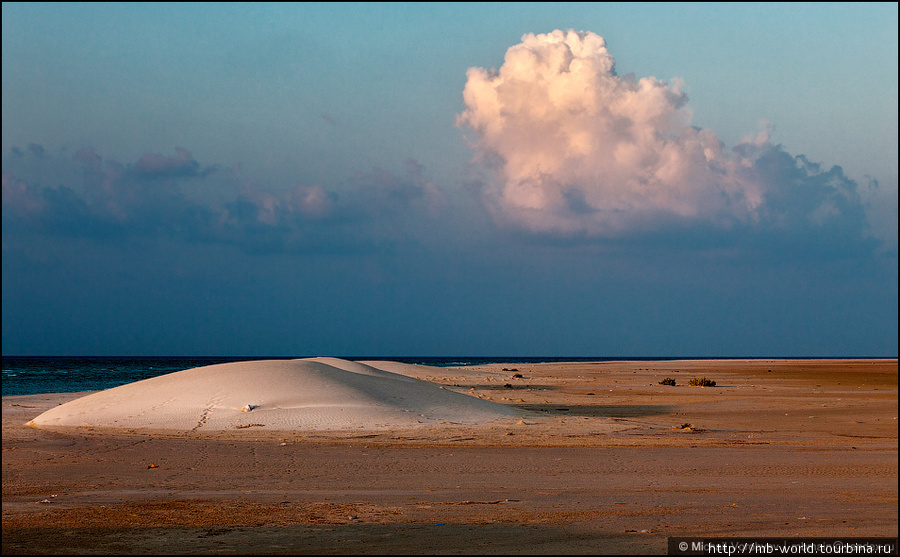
(667, 381)
(701, 382)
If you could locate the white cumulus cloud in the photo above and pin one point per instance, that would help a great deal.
(576, 149)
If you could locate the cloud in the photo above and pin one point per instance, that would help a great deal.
(155, 196)
(576, 150)
(36, 149)
(161, 196)
(154, 165)
(392, 192)
(19, 198)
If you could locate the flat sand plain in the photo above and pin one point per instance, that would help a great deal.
(602, 460)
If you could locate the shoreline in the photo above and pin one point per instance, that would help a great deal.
(602, 464)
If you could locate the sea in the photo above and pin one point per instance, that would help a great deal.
(28, 375)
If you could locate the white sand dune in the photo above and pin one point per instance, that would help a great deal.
(276, 395)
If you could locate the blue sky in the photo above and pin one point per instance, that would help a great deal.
(450, 179)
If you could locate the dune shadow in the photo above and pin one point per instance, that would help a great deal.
(599, 410)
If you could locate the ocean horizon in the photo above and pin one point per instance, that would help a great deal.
(29, 375)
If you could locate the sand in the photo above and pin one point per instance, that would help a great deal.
(590, 458)
(277, 395)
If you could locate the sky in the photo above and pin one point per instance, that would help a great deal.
(534, 179)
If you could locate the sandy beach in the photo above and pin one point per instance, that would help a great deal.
(594, 458)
